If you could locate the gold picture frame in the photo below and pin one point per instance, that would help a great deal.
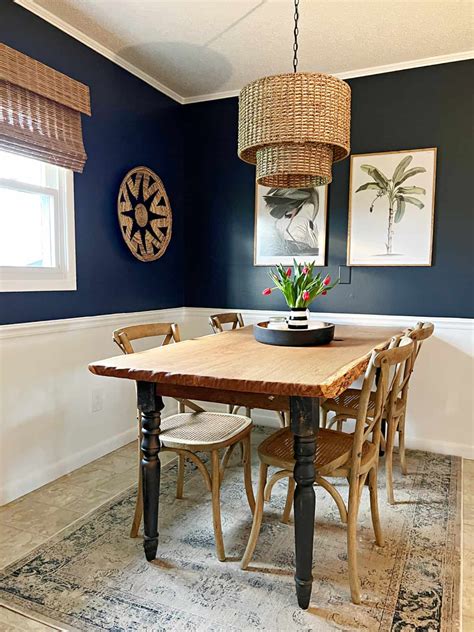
(281, 234)
(413, 244)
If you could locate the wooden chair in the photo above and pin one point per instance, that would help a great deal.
(235, 320)
(189, 432)
(338, 454)
(345, 407)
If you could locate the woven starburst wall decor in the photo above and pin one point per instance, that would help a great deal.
(144, 214)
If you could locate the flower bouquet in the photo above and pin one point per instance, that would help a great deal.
(299, 287)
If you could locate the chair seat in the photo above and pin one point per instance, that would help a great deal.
(333, 450)
(202, 428)
(347, 403)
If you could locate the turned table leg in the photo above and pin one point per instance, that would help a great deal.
(304, 425)
(150, 404)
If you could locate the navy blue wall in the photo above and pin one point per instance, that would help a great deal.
(424, 107)
(132, 124)
(209, 261)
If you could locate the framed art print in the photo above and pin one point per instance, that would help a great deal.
(391, 208)
(290, 224)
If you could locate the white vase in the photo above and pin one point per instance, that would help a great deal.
(298, 318)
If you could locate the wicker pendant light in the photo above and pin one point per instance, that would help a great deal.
(294, 126)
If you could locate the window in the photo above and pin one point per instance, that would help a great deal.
(37, 225)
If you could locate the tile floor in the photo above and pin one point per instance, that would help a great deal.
(32, 519)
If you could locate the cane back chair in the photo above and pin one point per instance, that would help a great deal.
(217, 323)
(345, 407)
(189, 432)
(338, 454)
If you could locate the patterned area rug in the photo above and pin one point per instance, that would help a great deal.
(92, 576)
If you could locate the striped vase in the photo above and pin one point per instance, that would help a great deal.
(299, 317)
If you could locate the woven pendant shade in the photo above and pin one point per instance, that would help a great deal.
(293, 127)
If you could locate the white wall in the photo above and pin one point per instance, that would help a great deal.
(47, 427)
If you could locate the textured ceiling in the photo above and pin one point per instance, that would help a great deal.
(199, 47)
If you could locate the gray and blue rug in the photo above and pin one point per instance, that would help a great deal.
(92, 576)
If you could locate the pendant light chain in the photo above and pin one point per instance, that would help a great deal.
(295, 33)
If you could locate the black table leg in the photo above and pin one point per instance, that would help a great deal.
(150, 404)
(304, 425)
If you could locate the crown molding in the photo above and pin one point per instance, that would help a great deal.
(46, 15)
(353, 74)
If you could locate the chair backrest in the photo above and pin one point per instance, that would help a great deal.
(170, 331)
(123, 337)
(420, 333)
(217, 321)
(383, 363)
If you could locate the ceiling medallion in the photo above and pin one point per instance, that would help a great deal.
(144, 214)
(294, 126)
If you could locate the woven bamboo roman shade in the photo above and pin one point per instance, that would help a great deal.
(40, 111)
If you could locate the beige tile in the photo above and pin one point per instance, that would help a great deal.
(37, 518)
(62, 493)
(118, 462)
(128, 450)
(468, 467)
(12, 621)
(17, 544)
(467, 623)
(118, 482)
(88, 477)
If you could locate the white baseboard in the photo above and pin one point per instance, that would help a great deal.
(42, 475)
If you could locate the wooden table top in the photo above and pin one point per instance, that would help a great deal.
(235, 361)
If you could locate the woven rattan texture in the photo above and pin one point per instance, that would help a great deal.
(348, 401)
(301, 111)
(33, 126)
(28, 73)
(330, 446)
(202, 428)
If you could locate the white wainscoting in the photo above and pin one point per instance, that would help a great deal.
(47, 394)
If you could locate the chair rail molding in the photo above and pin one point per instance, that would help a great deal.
(49, 424)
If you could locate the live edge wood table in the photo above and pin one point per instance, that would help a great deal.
(233, 368)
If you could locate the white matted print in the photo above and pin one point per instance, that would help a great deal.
(290, 224)
(391, 208)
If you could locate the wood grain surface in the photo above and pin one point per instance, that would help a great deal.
(234, 360)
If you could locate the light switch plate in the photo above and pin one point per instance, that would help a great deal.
(344, 274)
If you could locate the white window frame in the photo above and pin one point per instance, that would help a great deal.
(63, 275)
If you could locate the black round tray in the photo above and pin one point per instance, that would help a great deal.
(294, 337)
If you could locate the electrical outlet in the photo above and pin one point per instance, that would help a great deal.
(97, 400)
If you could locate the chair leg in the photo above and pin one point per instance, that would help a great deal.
(323, 417)
(137, 516)
(180, 481)
(226, 458)
(335, 495)
(285, 518)
(247, 463)
(352, 541)
(216, 505)
(374, 507)
(401, 445)
(257, 518)
(391, 430)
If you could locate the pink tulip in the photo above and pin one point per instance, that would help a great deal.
(327, 280)
(288, 272)
(305, 270)
(267, 291)
(306, 295)
(323, 293)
